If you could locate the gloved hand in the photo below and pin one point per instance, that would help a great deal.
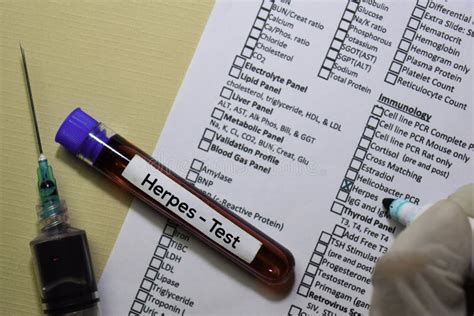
(426, 269)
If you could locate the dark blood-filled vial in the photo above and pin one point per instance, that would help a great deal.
(171, 195)
(64, 271)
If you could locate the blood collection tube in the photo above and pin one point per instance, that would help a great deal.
(165, 191)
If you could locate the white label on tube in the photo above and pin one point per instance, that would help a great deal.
(191, 209)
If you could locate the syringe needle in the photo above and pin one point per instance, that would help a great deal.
(32, 104)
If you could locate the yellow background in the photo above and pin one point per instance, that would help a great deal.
(121, 61)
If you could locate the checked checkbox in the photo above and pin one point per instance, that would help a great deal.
(346, 185)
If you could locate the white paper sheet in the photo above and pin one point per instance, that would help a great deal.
(301, 116)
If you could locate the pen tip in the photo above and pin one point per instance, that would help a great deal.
(386, 203)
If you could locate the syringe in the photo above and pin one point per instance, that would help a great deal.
(60, 252)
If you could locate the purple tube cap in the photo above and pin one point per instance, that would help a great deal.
(75, 129)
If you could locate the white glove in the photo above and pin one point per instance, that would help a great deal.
(426, 269)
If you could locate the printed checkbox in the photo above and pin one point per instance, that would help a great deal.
(235, 72)
(348, 16)
(251, 42)
(400, 56)
(414, 23)
(217, 113)
(422, 3)
(391, 78)
(404, 45)
(303, 290)
(263, 14)
(150, 274)
(346, 185)
(155, 263)
(165, 241)
(226, 93)
(342, 196)
(169, 230)
(395, 67)
(373, 122)
(351, 174)
(141, 295)
(418, 13)
(316, 259)
(311, 269)
(137, 307)
(340, 35)
(255, 33)
(197, 165)
(355, 164)
(204, 145)
(247, 52)
(209, 134)
(337, 208)
(332, 54)
(377, 111)
(336, 44)
(344, 26)
(325, 237)
(267, 4)
(360, 153)
(239, 61)
(259, 24)
(364, 143)
(409, 34)
(369, 133)
(146, 285)
(160, 252)
(294, 310)
(324, 73)
(307, 280)
(352, 6)
(338, 231)
(328, 63)
(321, 248)
(192, 176)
